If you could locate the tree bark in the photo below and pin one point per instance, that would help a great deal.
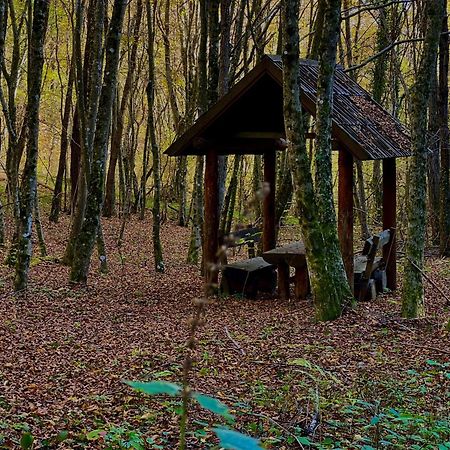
(413, 294)
(444, 194)
(57, 192)
(156, 210)
(330, 289)
(322, 161)
(197, 201)
(28, 188)
(86, 239)
(116, 141)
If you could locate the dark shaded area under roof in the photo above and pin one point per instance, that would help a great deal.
(249, 119)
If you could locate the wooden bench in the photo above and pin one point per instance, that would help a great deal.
(245, 236)
(370, 276)
(248, 277)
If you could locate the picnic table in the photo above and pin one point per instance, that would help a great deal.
(290, 255)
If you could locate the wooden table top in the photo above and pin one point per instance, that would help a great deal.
(293, 254)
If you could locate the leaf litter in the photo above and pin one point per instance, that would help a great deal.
(64, 350)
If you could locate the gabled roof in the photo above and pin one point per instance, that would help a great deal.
(249, 118)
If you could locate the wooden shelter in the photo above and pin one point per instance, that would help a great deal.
(249, 120)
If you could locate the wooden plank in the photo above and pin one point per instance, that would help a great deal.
(360, 264)
(294, 254)
(283, 280)
(211, 225)
(269, 226)
(301, 280)
(390, 220)
(250, 265)
(345, 214)
(383, 238)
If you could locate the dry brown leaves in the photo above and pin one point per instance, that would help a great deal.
(64, 349)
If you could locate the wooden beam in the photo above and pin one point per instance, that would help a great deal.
(259, 135)
(211, 224)
(269, 229)
(345, 214)
(238, 146)
(390, 220)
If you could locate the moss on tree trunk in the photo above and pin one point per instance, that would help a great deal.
(413, 294)
(330, 288)
(28, 186)
(85, 242)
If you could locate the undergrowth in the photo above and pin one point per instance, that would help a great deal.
(411, 412)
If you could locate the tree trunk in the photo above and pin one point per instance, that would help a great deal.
(329, 285)
(444, 196)
(75, 161)
(156, 209)
(101, 249)
(86, 239)
(361, 194)
(116, 141)
(323, 158)
(197, 201)
(378, 90)
(413, 295)
(57, 193)
(39, 229)
(230, 199)
(28, 186)
(88, 85)
(433, 160)
(257, 182)
(284, 189)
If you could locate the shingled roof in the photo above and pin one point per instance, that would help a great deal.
(253, 112)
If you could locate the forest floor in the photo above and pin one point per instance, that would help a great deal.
(371, 378)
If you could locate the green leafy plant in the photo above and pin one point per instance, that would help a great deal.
(229, 438)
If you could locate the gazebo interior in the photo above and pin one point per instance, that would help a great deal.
(249, 120)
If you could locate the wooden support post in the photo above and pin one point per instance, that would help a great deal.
(211, 224)
(283, 280)
(269, 231)
(345, 215)
(390, 220)
(301, 282)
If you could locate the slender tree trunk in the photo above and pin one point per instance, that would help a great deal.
(234, 183)
(284, 188)
(433, 160)
(196, 234)
(257, 181)
(101, 249)
(3, 17)
(378, 90)
(197, 228)
(230, 198)
(143, 185)
(116, 141)
(413, 294)
(88, 85)
(16, 139)
(360, 192)
(323, 169)
(444, 196)
(39, 229)
(57, 193)
(156, 210)
(28, 186)
(86, 239)
(75, 160)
